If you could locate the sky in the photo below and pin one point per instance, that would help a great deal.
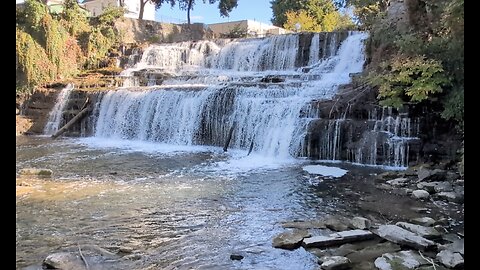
(258, 10)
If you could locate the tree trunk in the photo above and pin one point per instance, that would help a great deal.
(77, 117)
(142, 8)
(190, 4)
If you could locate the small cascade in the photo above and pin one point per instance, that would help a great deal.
(55, 116)
(383, 139)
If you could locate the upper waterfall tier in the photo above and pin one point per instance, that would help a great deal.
(281, 54)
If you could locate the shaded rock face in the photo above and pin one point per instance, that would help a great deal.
(375, 137)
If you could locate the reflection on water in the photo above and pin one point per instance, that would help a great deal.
(149, 210)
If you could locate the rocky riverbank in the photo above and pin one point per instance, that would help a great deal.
(409, 219)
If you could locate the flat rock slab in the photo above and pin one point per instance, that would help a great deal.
(407, 259)
(401, 236)
(290, 240)
(334, 263)
(450, 259)
(337, 238)
(426, 232)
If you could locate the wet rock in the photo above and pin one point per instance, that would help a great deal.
(402, 191)
(64, 261)
(272, 79)
(337, 223)
(133, 257)
(236, 257)
(37, 172)
(451, 196)
(337, 238)
(290, 240)
(361, 223)
(363, 265)
(313, 224)
(430, 267)
(420, 194)
(450, 259)
(371, 252)
(385, 187)
(125, 250)
(435, 187)
(458, 246)
(407, 259)
(387, 176)
(334, 263)
(424, 221)
(398, 182)
(428, 175)
(426, 232)
(401, 236)
(420, 209)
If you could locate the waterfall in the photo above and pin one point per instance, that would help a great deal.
(189, 109)
(55, 117)
(385, 139)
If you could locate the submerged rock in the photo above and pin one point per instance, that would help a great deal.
(236, 257)
(37, 172)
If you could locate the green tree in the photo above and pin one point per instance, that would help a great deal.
(323, 12)
(303, 20)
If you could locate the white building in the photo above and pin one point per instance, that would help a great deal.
(253, 28)
(96, 7)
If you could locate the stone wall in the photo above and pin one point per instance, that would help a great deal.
(135, 31)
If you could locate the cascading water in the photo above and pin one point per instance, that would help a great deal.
(385, 139)
(187, 111)
(55, 116)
